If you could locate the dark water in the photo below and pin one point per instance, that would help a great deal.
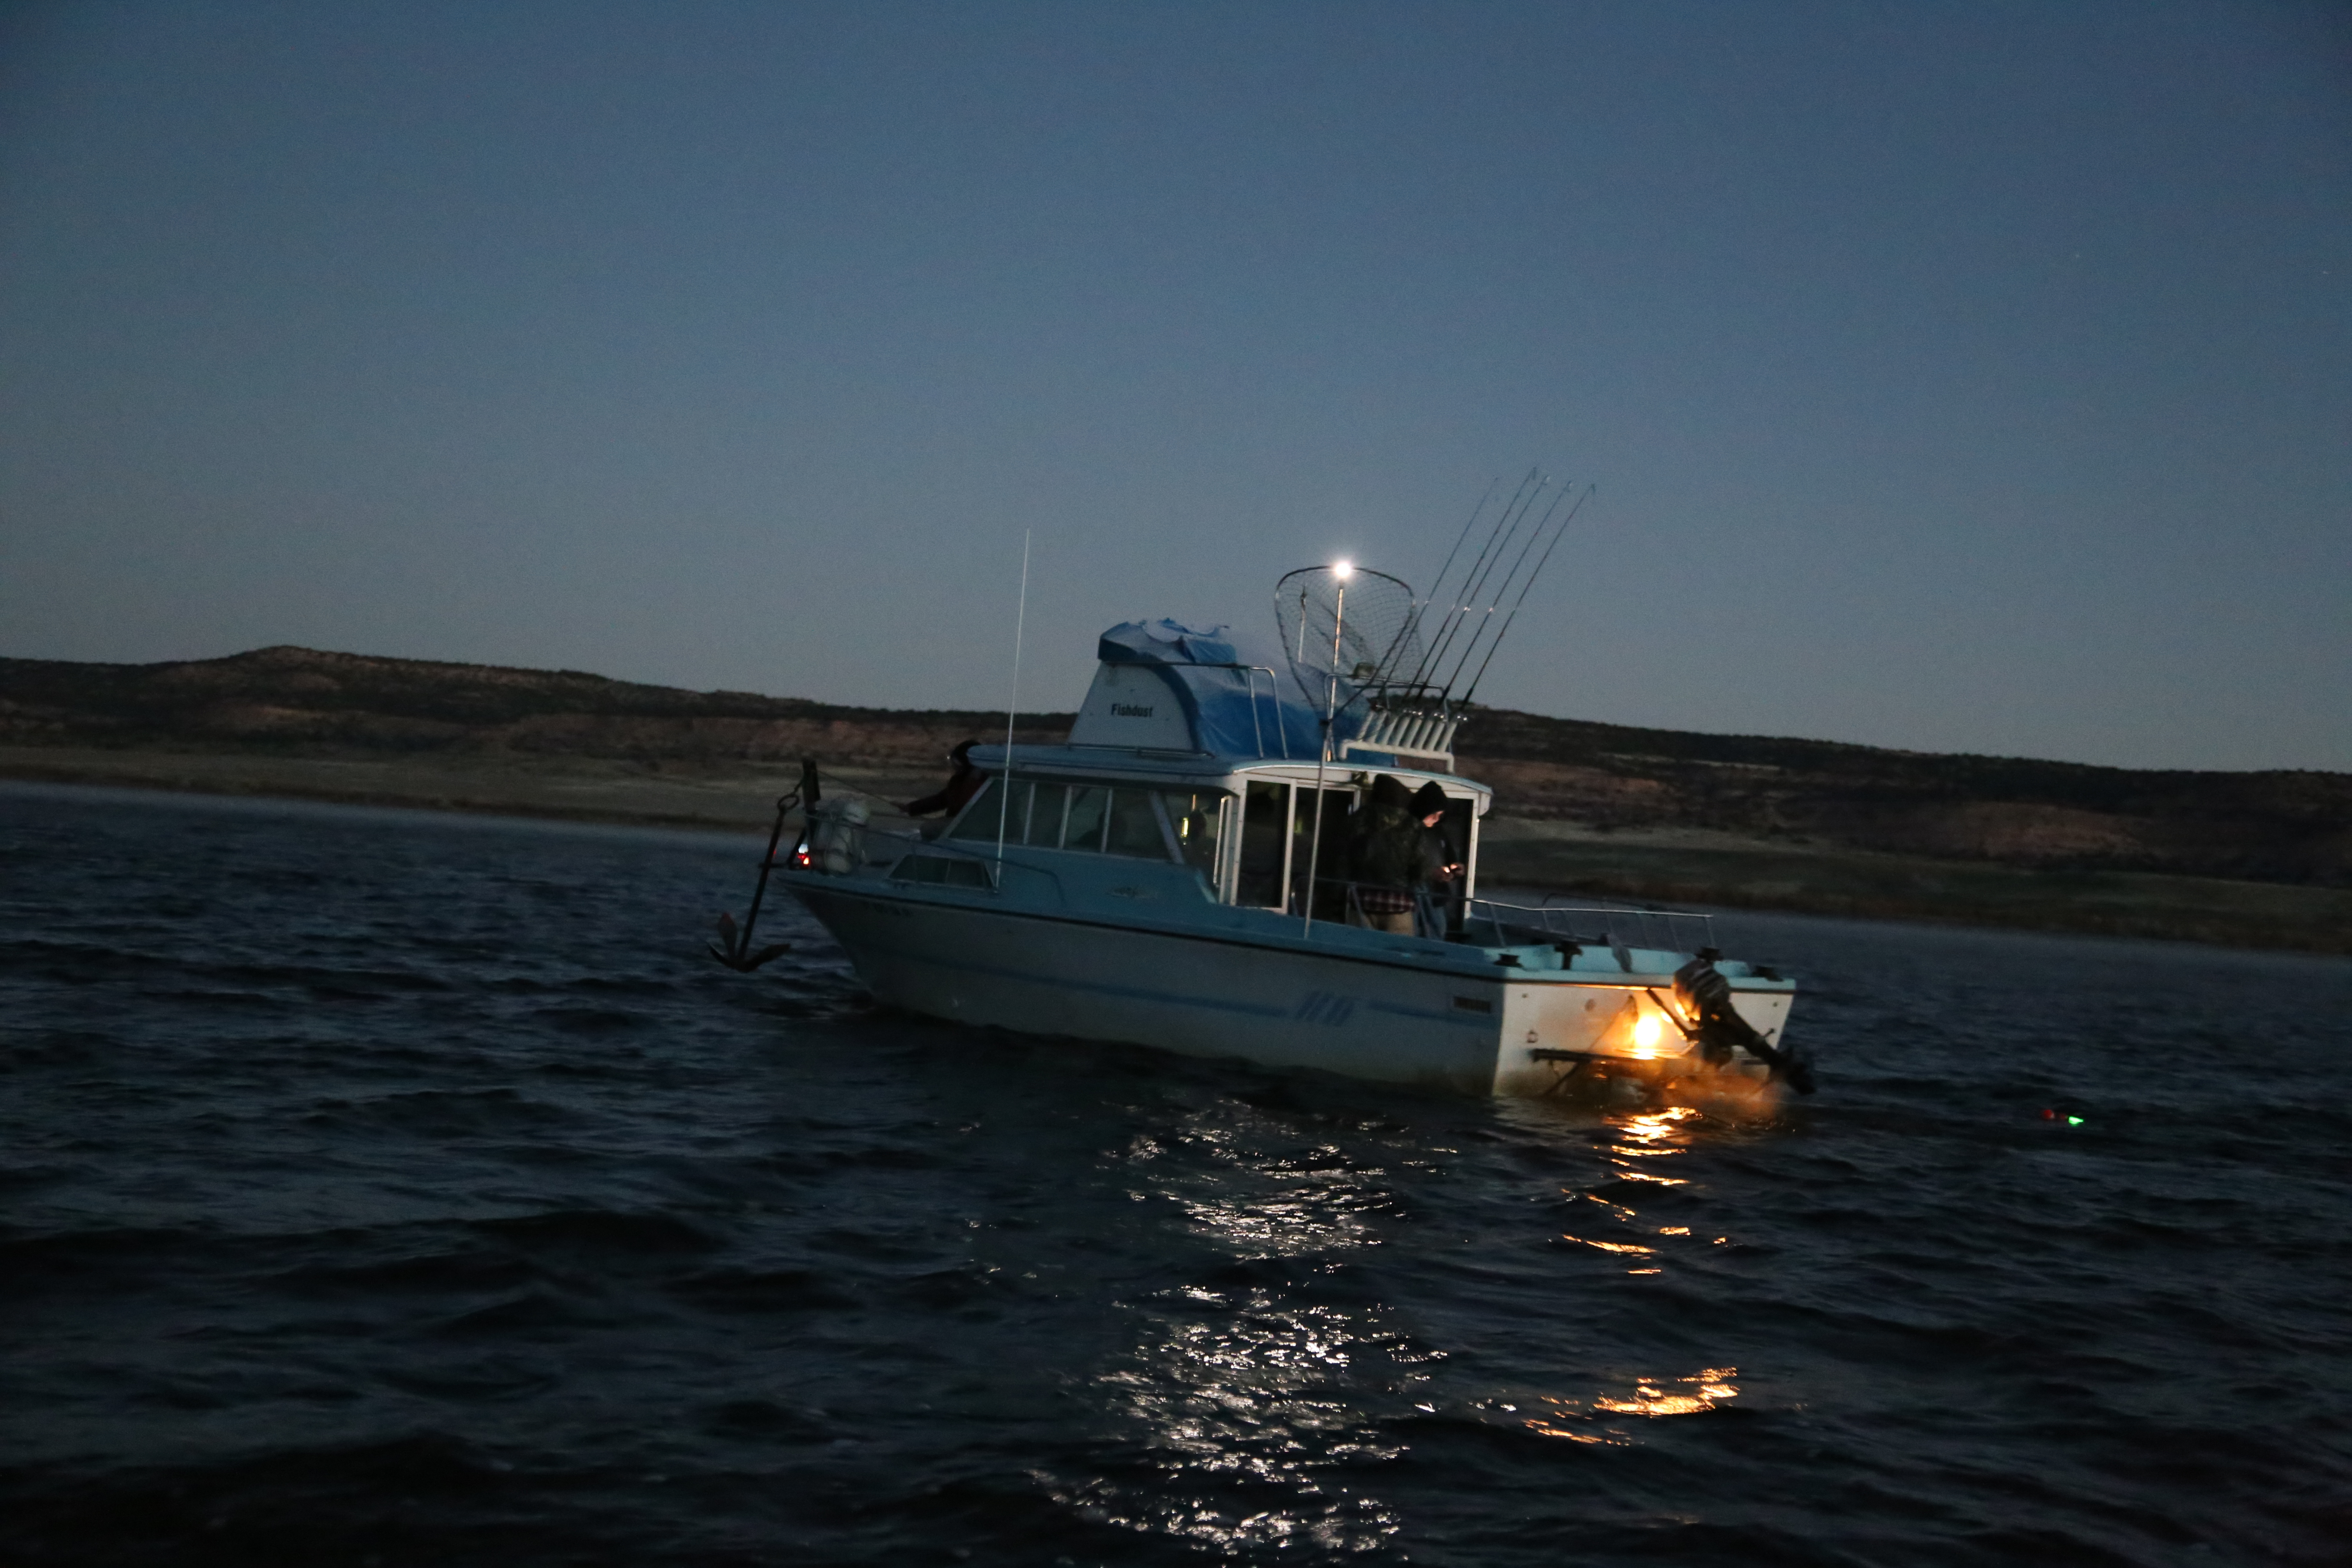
(386, 1189)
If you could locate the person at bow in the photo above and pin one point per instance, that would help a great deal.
(953, 795)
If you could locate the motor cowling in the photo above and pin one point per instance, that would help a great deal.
(1718, 1030)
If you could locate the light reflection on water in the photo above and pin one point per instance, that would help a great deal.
(1630, 1145)
(1294, 1403)
(1584, 1421)
(1259, 1398)
(1635, 1150)
(1233, 1385)
(1261, 1205)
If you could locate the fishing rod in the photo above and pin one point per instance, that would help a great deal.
(1508, 578)
(1557, 534)
(1504, 525)
(1477, 585)
(1434, 649)
(1437, 583)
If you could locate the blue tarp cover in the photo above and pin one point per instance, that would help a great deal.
(1234, 712)
(1164, 642)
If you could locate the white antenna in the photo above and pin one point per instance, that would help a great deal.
(1004, 783)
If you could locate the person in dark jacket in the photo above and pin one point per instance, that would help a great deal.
(950, 796)
(1385, 858)
(1438, 868)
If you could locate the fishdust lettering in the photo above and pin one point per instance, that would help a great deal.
(1129, 711)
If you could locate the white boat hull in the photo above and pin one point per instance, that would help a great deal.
(1210, 995)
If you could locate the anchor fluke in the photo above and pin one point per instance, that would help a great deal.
(729, 949)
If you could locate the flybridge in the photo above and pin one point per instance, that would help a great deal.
(1165, 686)
(1373, 667)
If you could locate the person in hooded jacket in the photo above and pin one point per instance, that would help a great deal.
(1385, 855)
(1436, 869)
(950, 796)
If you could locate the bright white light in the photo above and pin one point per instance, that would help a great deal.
(1340, 569)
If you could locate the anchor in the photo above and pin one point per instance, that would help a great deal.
(733, 947)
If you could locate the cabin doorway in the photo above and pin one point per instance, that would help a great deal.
(1266, 846)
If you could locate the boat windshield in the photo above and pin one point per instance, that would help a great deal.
(1089, 804)
(1122, 820)
(1046, 803)
(1134, 826)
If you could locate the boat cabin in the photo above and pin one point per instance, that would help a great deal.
(1182, 754)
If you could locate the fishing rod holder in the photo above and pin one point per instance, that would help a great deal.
(1405, 732)
(1407, 723)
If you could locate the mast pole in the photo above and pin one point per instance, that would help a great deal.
(1004, 780)
(1330, 712)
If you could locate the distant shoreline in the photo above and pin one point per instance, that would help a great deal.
(1660, 866)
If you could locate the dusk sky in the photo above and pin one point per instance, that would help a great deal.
(1960, 377)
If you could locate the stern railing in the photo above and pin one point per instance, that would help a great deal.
(1592, 925)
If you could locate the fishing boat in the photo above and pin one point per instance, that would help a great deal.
(1178, 874)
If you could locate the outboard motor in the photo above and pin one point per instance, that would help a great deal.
(1718, 1029)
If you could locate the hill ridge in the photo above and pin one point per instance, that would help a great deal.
(2274, 824)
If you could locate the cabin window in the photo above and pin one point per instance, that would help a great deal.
(1043, 827)
(1095, 818)
(1193, 816)
(1089, 805)
(1135, 826)
(942, 870)
(980, 819)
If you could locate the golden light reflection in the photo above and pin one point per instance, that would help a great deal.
(1656, 1134)
(1650, 1398)
(1661, 1126)
(1696, 1393)
(1637, 1137)
(1637, 1146)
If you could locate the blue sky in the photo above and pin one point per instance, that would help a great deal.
(1960, 378)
